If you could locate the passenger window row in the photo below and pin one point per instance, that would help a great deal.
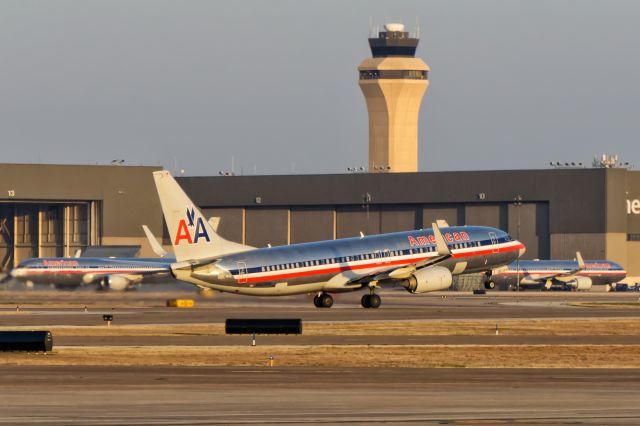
(367, 256)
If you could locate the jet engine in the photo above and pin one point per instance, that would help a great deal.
(116, 283)
(580, 283)
(428, 279)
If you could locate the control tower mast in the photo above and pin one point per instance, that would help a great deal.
(393, 82)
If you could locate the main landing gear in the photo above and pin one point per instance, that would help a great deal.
(323, 300)
(371, 301)
(488, 282)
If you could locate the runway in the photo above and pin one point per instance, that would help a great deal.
(190, 340)
(63, 308)
(199, 395)
(103, 394)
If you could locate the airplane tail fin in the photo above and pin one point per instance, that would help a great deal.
(192, 236)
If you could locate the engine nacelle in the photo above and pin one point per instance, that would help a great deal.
(580, 283)
(117, 282)
(428, 279)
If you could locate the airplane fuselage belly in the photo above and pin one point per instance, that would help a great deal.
(279, 288)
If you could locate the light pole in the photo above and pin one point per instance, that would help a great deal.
(517, 202)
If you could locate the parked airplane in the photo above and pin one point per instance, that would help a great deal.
(116, 274)
(110, 273)
(565, 274)
(420, 261)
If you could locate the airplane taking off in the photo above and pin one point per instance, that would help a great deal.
(117, 274)
(565, 274)
(420, 261)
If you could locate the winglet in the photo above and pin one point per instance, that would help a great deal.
(580, 261)
(441, 244)
(155, 245)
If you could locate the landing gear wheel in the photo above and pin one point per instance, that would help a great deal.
(323, 300)
(371, 301)
(365, 301)
(374, 301)
(326, 301)
(489, 285)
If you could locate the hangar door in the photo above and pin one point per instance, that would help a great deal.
(375, 219)
(45, 230)
(264, 226)
(533, 229)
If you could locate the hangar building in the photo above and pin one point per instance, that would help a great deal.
(594, 210)
(48, 210)
(55, 210)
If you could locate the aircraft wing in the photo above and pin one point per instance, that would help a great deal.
(558, 276)
(133, 276)
(570, 275)
(397, 273)
(443, 253)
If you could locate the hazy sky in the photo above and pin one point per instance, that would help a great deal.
(273, 84)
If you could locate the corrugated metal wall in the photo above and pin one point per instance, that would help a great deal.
(277, 226)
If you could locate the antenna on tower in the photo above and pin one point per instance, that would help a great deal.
(417, 30)
(370, 26)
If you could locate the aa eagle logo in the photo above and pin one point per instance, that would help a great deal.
(186, 231)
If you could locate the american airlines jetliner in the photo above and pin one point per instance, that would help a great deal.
(562, 274)
(69, 273)
(420, 261)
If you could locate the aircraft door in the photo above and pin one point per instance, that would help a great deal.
(242, 272)
(494, 242)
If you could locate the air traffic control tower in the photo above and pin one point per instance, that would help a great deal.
(393, 82)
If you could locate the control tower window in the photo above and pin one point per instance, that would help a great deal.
(393, 74)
